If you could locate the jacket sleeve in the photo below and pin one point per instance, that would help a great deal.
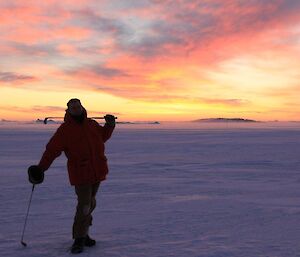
(106, 130)
(54, 149)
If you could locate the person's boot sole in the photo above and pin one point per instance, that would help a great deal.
(77, 250)
(90, 244)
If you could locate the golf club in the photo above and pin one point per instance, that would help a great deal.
(22, 241)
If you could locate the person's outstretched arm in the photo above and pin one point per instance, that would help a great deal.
(54, 149)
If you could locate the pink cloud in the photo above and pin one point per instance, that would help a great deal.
(32, 14)
(187, 27)
(67, 49)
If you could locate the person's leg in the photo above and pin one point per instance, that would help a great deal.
(82, 217)
(95, 188)
(89, 241)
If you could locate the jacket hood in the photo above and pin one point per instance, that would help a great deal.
(69, 119)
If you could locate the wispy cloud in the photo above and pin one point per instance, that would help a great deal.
(11, 77)
(46, 109)
(98, 70)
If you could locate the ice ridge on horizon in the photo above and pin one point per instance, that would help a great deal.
(224, 120)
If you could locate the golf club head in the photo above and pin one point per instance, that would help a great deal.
(23, 243)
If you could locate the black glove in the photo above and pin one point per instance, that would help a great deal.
(35, 174)
(110, 120)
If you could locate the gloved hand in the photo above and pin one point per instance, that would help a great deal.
(35, 174)
(110, 120)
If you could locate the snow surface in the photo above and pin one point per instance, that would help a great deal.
(173, 190)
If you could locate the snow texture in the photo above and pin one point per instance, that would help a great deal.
(173, 190)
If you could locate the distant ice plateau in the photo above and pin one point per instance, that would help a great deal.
(224, 120)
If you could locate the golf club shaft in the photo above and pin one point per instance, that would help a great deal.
(27, 215)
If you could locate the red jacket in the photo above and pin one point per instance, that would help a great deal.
(83, 145)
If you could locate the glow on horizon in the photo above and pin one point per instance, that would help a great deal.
(151, 60)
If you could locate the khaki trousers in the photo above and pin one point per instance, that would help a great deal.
(86, 203)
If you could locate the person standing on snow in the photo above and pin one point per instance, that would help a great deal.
(82, 140)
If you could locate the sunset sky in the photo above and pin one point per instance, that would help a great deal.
(171, 60)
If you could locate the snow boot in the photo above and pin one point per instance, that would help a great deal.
(89, 241)
(78, 245)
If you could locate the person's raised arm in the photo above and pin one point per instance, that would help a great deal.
(108, 128)
(110, 123)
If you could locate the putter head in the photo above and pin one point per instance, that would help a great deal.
(23, 243)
